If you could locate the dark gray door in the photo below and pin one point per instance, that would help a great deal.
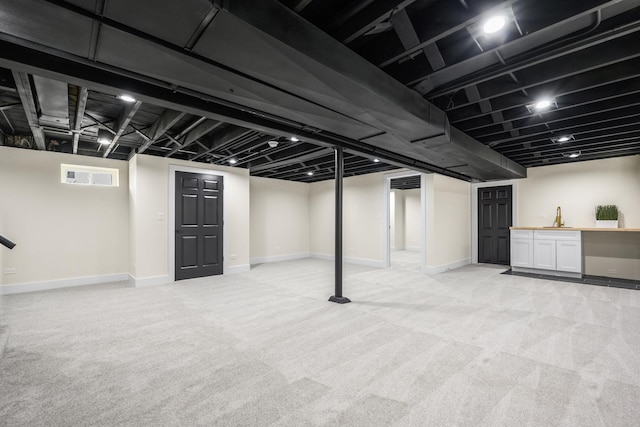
(198, 225)
(494, 220)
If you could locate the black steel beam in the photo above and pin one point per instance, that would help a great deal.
(106, 79)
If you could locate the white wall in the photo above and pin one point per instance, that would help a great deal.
(396, 220)
(62, 231)
(412, 219)
(279, 219)
(577, 188)
(2, 249)
(364, 210)
(448, 222)
(150, 200)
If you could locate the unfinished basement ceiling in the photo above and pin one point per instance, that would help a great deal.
(414, 84)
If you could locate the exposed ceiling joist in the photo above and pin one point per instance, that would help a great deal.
(378, 12)
(197, 132)
(321, 152)
(160, 127)
(301, 5)
(23, 85)
(582, 55)
(127, 113)
(80, 107)
(409, 38)
(222, 138)
(461, 23)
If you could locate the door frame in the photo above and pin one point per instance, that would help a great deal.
(386, 231)
(171, 214)
(474, 210)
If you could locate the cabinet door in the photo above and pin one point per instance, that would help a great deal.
(544, 254)
(522, 253)
(569, 256)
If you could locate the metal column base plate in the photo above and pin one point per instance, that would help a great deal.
(339, 300)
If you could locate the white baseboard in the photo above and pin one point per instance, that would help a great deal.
(398, 248)
(19, 288)
(446, 267)
(349, 260)
(235, 269)
(278, 258)
(413, 248)
(149, 281)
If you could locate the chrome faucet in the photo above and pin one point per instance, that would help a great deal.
(558, 222)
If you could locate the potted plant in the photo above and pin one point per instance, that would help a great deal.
(606, 216)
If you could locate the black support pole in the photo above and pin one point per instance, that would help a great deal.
(338, 264)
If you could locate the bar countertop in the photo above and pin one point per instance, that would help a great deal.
(633, 230)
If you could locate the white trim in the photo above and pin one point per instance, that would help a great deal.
(474, 210)
(171, 214)
(278, 258)
(412, 248)
(149, 281)
(349, 260)
(446, 267)
(18, 288)
(234, 269)
(386, 239)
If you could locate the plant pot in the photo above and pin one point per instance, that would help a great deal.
(600, 223)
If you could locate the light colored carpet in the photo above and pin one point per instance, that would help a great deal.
(469, 347)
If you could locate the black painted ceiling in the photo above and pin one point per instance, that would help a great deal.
(583, 55)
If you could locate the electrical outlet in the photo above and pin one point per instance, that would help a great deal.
(353, 250)
(233, 256)
(9, 271)
(160, 216)
(612, 271)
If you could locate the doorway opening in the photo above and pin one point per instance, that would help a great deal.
(405, 225)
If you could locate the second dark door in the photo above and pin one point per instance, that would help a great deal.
(198, 227)
(494, 220)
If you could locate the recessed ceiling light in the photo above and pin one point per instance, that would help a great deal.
(494, 24)
(543, 104)
(127, 98)
(572, 155)
(310, 173)
(562, 139)
(294, 139)
(232, 161)
(376, 160)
